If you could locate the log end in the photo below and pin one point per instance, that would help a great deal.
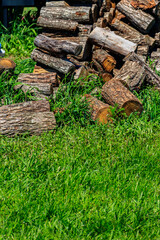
(7, 64)
(104, 116)
(132, 106)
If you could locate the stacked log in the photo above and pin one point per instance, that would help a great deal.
(110, 38)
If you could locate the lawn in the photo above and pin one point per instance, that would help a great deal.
(83, 180)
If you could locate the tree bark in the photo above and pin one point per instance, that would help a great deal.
(105, 59)
(57, 4)
(78, 14)
(32, 117)
(143, 4)
(143, 21)
(57, 24)
(109, 40)
(132, 75)
(151, 76)
(57, 46)
(100, 111)
(114, 92)
(57, 64)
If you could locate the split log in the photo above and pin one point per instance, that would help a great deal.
(152, 77)
(94, 12)
(132, 75)
(143, 21)
(109, 40)
(101, 23)
(105, 59)
(57, 24)
(57, 64)
(77, 14)
(32, 117)
(39, 69)
(57, 46)
(84, 30)
(114, 92)
(100, 111)
(6, 64)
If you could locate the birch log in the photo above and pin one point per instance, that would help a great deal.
(109, 40)
(57, 64)
(114, 92)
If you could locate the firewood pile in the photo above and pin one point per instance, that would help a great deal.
(109, 38)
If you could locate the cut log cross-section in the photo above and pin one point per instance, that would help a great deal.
(33, 117)
(114, 92)
(100, 111)
(110, 41)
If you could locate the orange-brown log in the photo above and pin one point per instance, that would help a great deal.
(6, 64)
(143, 4)
(100, 111)
(115, 93)
(105, 59)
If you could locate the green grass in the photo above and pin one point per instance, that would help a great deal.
(82, 181)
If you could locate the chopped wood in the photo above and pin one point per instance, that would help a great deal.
(6, 64)
(107, 61)
(106, 77)
(32, 117)
(100, 111)
(143, 21)
(78, 14)
(109, 40)
(57, 64)
(57, 46)
(57, 24)
(114, 92)
(143, 4)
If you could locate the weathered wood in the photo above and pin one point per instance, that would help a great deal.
(57, 46)
(151, 76)
(43, 82)
(105, 59)
(57, 4)
(114, 92)
(81, 73)
(39, 69)
(132, 75)
(100, 111)
(84, 30)
(33, 117)
(109, 40)
(6, 64)
(78, 14)
(86, 46)
(57, 64)
(57, 24)
(94, 12)
(143, 21)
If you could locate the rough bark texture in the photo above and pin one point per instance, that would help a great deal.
(109, 40)
(105, 59)
(57, 4)
(86, 46)
(143, 4)
(100, 111)
(57, 46)
(143, 21)
(132, 75)
(57, 24)
(114, 92)
(58, 64)
(78, 14)
(151, 76)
